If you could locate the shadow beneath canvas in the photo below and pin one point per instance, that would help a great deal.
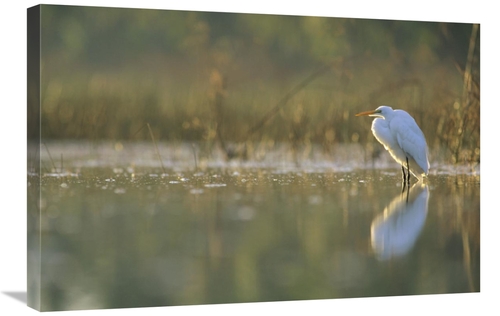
(20, 296)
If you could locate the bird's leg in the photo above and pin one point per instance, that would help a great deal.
(404, 178)
(408, 167)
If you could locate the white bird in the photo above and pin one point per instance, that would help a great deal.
(402, 138)
(395, 231)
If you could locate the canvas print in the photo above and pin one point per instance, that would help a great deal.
(188, 157)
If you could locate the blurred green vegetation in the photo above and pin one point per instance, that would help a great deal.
(213, 77)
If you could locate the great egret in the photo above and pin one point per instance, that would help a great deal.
(402, 138)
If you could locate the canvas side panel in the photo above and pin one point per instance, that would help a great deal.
(33, 159)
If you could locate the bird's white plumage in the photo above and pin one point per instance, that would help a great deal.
(401, 136)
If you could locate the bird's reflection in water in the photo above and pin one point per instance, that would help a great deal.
(395, 231)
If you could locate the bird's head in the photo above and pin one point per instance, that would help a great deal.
(381, 111)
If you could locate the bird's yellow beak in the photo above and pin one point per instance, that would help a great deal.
(367, 113)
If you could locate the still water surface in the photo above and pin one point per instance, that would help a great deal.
(118, 233)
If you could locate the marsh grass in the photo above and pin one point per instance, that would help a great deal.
(213, 109)
(230, 81)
